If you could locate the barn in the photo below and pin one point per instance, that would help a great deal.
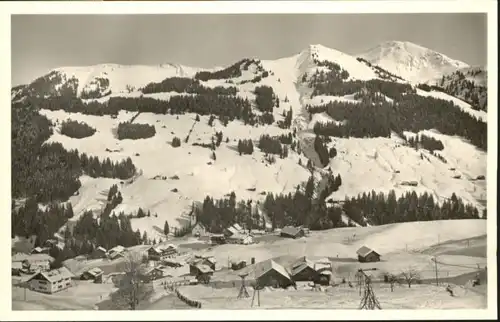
(303, 270)
(366, 255)
(270, 273)
(292, 232)
(325, 271)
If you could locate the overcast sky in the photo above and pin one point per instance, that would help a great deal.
(41, 43)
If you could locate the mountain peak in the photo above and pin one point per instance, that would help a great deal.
(411, 61)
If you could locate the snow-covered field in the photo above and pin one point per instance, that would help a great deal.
(341, 297)
(83, 295)
(401, 245)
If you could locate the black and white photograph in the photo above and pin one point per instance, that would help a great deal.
(252, 161)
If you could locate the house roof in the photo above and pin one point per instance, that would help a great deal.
(19, 257)
(204, 268)
(232, 230)
(96, 271)
(302, 264)
(289, 230)
(268, 265)
(322, 267)
(237, 227)
(55, 274)
(364, 251)
(39, 249)
(101, 249)
(114, 254)
(117, 249)
(199, 224)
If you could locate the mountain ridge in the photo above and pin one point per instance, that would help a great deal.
(411, 61)
(313, 78)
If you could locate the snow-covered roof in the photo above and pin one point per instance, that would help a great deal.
(117, 249)
(96, 271)
(364, 251)
(268, 265)
(55, 274)
(292, 231)
(302, 264)
(237, 227)
(102, 249)
(204, 268)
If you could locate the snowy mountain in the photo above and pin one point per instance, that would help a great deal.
(319, 91)
(413, 62)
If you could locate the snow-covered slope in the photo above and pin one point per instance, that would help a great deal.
(469, 84)
(173, 178)
(101, 80)
(412, 62)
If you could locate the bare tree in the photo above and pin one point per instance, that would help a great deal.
(132, 288)
(391, 279)
(410, 276)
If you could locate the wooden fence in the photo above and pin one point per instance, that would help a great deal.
(183, 298)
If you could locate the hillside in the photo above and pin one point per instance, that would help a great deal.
(468, 84)
(180, 127)
(411, 61)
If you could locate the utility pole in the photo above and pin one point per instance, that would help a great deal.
(436, 269)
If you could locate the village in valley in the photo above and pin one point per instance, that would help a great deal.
(228, 270)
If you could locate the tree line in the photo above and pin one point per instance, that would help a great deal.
(412, 113)
(29, 219)
(379, 208)
(186, 85)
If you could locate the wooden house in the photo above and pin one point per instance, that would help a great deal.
(52, 281)
(199, 230)
(239, 238)
(154, 273)
(32, 262)
(218, 239)
(158, 252)
(207, 261)
(325, 271)
(94, 274)
(116, 252)
(303, 270)
(270, 273)
(366, 255)
(292, 232)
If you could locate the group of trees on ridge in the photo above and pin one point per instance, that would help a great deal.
(186, 85)
(412, 113)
